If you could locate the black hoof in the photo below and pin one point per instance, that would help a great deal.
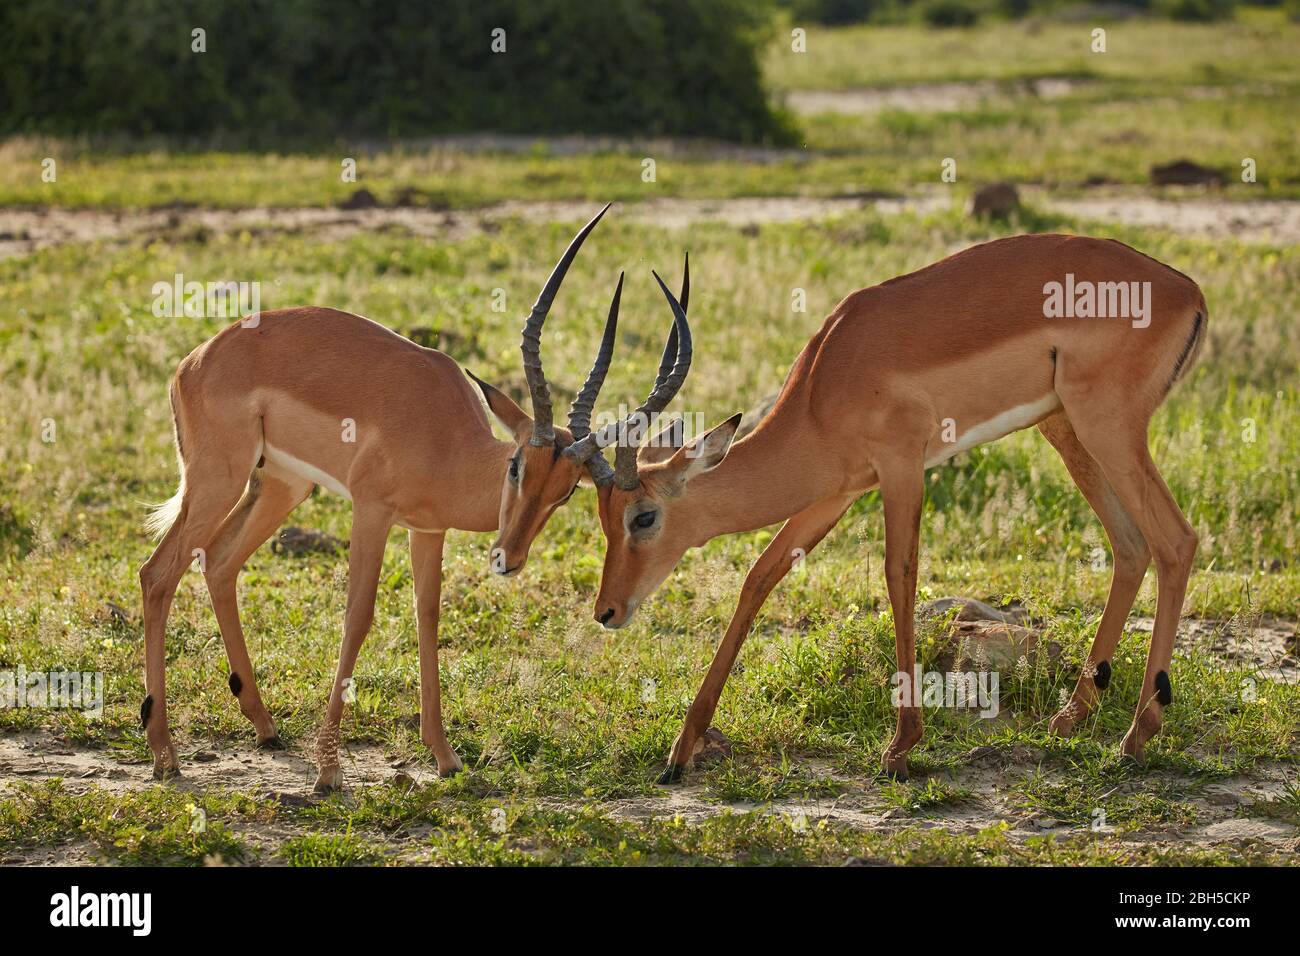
(673, 774)
(272, 743)
(444, 774)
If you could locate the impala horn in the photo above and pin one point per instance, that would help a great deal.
(673, 367)
(543, 424)
(584, 403)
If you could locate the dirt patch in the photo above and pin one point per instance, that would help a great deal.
(40, 755)
(1268, 647)
(1268, 220)
(24, 230)
(924, 97)
(986, 789)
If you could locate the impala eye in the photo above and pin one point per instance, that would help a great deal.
(645, 519)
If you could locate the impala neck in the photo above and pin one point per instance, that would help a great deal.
(765, 478)
(488, 465)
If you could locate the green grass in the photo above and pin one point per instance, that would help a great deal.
(544, 707)
(540, 703)
(149, 828)
(1250, 49)
(1215, 93)
(456, 832)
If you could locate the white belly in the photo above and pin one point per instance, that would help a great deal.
(1012, 420)
(296, 466)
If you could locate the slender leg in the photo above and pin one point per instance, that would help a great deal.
(426, 567)
(1131, 557)
(267, 501)
(370, 524)
(211, 489)
(1120, 447)
(796, 538)
(902, 493)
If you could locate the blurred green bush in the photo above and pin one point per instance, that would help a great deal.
(950, 13)
(321, 69)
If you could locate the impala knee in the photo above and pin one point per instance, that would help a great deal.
(1131, 563)
(1186, 546)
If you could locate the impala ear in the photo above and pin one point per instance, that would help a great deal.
(707, 451)
(503, 409)
(663, 445)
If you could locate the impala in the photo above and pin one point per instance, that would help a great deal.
(271, 407)
(901, 377)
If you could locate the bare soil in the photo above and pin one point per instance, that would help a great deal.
(993, 777)
(24, 230)
(922, 97)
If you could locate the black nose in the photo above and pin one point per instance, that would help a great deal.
(607, 616)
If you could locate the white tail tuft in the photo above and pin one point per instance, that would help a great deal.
(163, 516)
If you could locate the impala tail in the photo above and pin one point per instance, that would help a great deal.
(1195, 342)
(162, 516)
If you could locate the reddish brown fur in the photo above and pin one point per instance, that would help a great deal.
(864, 406)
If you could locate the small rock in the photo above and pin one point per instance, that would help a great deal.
(288, 799)
(403, 781)
(713, 746)
(296, 541)
(995, 201)
(117, 614)
(990, 646)
(971, 610)
(984, 754)
(1184, 172)
(361, 199)
(867, 861)
(204, 756)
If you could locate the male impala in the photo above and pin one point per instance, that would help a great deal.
(905, 375)
(266, 410)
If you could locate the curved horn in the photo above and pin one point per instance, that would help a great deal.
(543, 426)
(585, 402)
(667, 383)
(669, 357)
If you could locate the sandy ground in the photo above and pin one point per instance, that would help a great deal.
(1222, 809)
(922, 97)
(24, 230)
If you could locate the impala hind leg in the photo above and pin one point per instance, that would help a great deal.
(1121, 450)
(267, 501)
(1131, 557)
(426, 568)
(211, 487)
(902, 492)
(370, 524)
(793, 542)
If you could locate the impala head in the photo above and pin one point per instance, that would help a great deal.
(647, 527)
(540, 476)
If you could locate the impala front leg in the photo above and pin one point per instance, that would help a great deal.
(792, 543)
(426, 565)
(902, 491)
(365, 559)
